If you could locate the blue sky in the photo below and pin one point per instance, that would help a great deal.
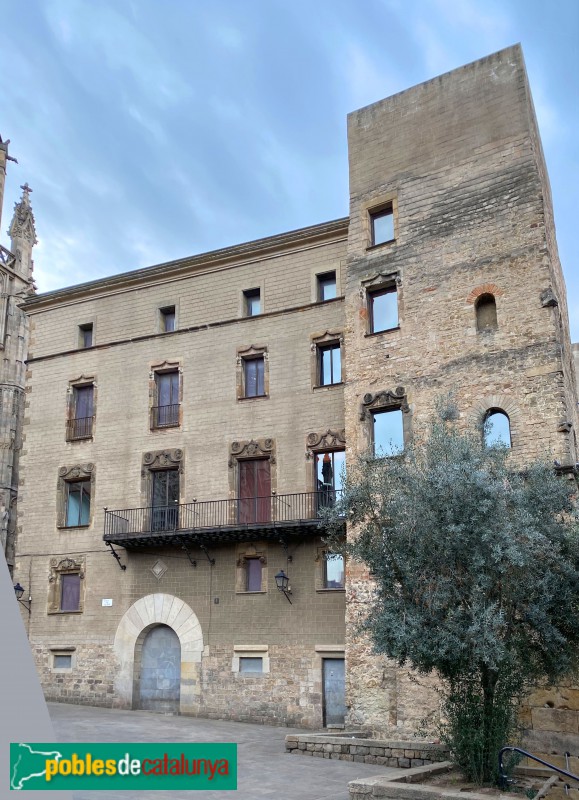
(154, 130)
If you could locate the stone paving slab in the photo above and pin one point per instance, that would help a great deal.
(265, 770)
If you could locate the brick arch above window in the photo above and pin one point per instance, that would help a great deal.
(485, 288)
(499, 402)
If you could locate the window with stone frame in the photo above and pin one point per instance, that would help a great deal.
(75, 493)
(81, 409)
(165, 395)
(66, 585)
(383, 309)
(167, 319)
(381, 296)
(327, 286)
(252, 372)
(252, 302)
(251, 569)
(327, 358)
(250, 660)
(166, 409)
(381, 224)
(85, 335)
(330, 570)
(388, 422)
(387, 432)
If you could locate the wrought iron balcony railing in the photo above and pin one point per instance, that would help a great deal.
(165, 416)
(79, 428)
(273, 512)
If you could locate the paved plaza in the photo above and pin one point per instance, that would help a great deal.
(265, 770)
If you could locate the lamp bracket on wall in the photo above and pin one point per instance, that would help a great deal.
(116, 556)
(192, 560)
(284, 544)
(211, 560)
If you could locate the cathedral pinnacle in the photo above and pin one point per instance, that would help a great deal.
(22, 226)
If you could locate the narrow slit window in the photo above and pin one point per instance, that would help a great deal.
(329, 364)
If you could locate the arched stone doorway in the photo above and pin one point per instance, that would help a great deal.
(158, 670)
(143, 616)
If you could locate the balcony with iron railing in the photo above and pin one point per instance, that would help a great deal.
(79, 428)
(219, 521)
(165, 416)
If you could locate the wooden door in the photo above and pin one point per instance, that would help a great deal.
(254, 491)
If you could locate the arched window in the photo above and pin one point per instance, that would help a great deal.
(486, 313)
(497, 428)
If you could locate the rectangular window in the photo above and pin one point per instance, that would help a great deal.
(85, 335)
(248, 665)
(326, 286)
(253, 574)
(382, 225)
(330, 470)
(81, 423)
(62, 662)
(166, 411)
(69, 593)
(383, 309)
(167, 319)
(387, 432)
(253, 374)
(77, 503)
(330, 364)
(252, 300)
(333, 571)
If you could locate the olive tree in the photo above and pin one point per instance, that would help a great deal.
(476, 571)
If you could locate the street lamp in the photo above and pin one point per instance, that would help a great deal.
(19, 591)
(282, 583)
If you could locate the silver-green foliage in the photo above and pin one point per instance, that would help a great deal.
(476, 565)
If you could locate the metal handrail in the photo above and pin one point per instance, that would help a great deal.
(165, 416)
(79, 428)
(503, 777)
(274, 509)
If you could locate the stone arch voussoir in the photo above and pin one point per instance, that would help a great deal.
(159, 609)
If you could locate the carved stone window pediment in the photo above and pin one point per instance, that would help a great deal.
(327, 440)
(254, 448)
(163, 459)
(388, 398)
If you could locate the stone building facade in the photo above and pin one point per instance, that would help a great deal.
(16, 285)
(197, 413)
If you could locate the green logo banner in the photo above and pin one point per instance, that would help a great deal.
(119, 765)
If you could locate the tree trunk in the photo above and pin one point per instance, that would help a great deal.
(489, 681)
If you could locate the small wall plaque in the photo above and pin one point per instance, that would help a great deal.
(107, 601)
